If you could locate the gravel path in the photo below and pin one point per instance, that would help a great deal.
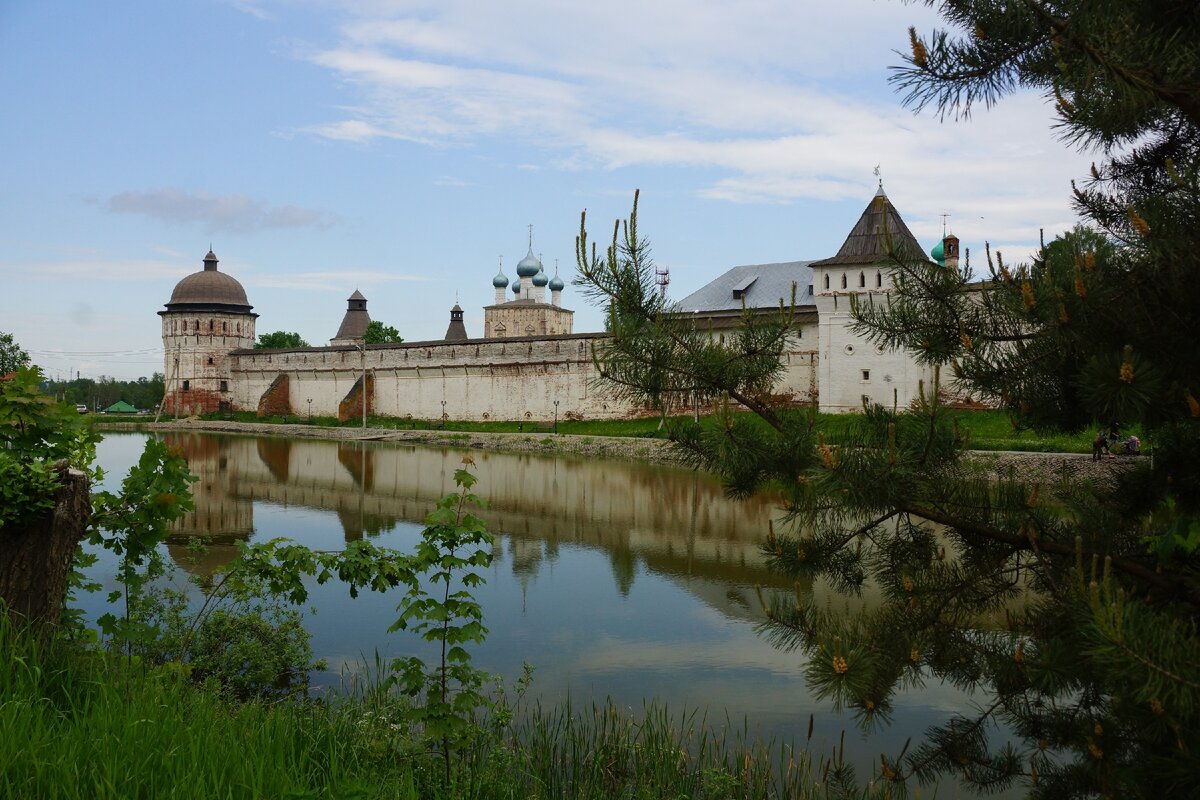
(1046, 467)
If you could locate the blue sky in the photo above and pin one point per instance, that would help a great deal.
(401, 148)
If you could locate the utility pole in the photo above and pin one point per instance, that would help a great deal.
(362, 348)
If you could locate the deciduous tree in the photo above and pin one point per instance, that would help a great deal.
(378, 333)
(12, 357)
(278, 340)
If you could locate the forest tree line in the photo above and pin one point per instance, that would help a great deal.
(100, 393)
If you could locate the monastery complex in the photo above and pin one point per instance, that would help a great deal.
(530, 364)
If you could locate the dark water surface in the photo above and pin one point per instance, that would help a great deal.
(613, 579)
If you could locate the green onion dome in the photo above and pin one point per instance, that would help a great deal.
(529, 265)
(938, 253)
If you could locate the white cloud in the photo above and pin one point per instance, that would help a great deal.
(779, 103)
(100, 269)
(216, 212)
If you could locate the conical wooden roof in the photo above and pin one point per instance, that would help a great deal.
(867, 243)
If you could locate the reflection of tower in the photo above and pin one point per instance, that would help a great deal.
(218, 518)
(624, 567)
(526, 557)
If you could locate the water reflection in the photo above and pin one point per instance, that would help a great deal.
(675, 522)
(613, 579)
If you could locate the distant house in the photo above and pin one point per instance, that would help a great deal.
(120, 407)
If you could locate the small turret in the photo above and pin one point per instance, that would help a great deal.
(457, 332)
(950, 251)
(355, 322)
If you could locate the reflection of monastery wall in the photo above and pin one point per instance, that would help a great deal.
(672, 521)
(496, 379)
(674, 513)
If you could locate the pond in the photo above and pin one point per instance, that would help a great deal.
(613, 579)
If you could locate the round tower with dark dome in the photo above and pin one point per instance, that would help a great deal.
(207, 316)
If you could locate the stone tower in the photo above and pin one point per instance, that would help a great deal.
(851, 368)
(355, 323)
(207, 316)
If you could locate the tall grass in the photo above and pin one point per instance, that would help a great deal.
(84, 724)
(79, 723)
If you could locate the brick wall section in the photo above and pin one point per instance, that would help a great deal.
(351, 406)
(276, 400)
(195, 401)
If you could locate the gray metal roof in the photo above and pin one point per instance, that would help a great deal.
(762, 286)
(209, 289)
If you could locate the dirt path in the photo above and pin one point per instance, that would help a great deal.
(655, 450)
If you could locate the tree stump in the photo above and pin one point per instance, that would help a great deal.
(35, 559)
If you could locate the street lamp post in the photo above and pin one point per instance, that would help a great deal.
(310, 409)
(443, 415)
(556, 416)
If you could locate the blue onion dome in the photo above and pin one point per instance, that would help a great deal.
(529, 265)
(516, 287)
(938, 253)
(556, 284)
(541, 279)
(501, 280)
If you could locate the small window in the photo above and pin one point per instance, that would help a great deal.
(826, 281)
(224, 386)
(878, 280)
(862, 280)
(866, 375)
(844, 284)
(210, 361)
(187, 385)
(810, 290)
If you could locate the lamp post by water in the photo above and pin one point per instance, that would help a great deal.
(556, 416)
(310, 409)
(443, 415)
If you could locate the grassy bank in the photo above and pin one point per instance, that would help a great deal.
(80, 723)
(987, 430)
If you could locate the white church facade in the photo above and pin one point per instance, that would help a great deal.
(529, 364)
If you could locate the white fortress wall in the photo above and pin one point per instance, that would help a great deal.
(501, 379)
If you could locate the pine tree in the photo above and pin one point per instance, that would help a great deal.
(1070, 608)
